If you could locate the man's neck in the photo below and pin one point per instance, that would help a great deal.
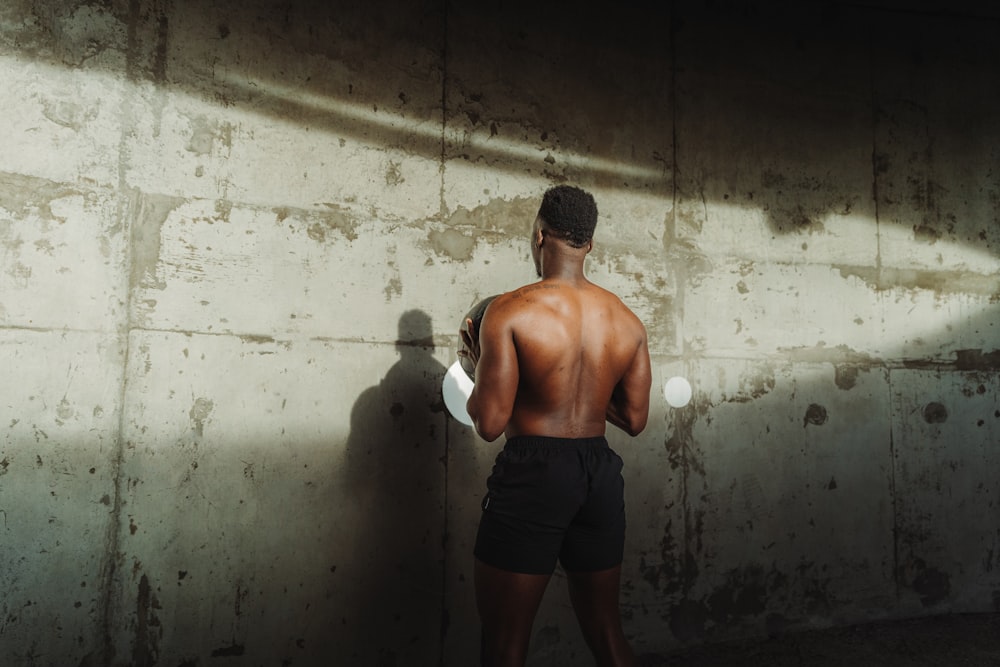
(564, 267)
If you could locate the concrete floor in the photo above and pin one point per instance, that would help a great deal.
(971, 640)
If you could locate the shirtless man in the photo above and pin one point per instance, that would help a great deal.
(554, 361)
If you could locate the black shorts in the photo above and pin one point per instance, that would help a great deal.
(553, 498)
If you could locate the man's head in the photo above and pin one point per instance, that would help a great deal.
(570, 214)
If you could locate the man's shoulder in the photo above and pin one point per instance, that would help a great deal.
(523, 297)
(520, 305)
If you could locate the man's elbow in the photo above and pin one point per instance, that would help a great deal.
(489, 435)
(489, 429)
(635, 429)
(636, 423)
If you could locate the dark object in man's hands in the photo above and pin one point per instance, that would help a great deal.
(476, 315)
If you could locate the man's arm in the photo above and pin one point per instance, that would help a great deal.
(629, 406)
(491, 403)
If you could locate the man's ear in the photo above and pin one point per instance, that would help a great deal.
(590, 245)
(539, 237)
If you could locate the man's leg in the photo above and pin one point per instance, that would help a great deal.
(595, 601)
(507, 602)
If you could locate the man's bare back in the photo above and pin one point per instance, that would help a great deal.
(574, 346)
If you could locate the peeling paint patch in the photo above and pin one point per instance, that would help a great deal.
(452, 243)
(199, 414)
(503, 218)
(251, 338)
(820, 353)
(940, 282)
(26, 195)
(65, 411)
(154, 209)
(319, 225)
(204, 133)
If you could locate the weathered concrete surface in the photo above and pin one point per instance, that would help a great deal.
(235, 240)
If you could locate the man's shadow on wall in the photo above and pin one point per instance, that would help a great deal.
(395, 476)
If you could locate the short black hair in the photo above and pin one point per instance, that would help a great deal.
(569, 212)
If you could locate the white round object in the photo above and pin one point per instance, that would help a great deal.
(677, 391)
(456, 389)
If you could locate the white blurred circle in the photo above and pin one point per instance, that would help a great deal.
(677, 391)
(456, 389)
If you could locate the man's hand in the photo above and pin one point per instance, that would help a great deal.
(469, 351)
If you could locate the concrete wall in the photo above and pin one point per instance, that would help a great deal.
(236, 239)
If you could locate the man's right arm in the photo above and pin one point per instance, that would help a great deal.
(491, 402)
(629, 405)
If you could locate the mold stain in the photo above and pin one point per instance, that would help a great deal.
(394, 282)
(744, 593)
(663, 576)
(926, 234)
(845, 376)
(145, 650)
(977, 360)
(935, 413)
(394, 174)
(932, 586)
(815, 414)
(394, 287)
(753, 386)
